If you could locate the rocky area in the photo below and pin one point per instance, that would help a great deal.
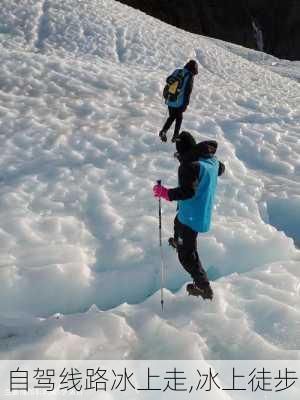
(237, 21)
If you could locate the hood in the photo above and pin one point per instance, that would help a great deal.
(185, 142)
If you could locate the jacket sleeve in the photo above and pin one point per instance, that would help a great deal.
(188, 179)
(188, 91)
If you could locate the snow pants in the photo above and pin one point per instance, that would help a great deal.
(186, 240)
(174, 114)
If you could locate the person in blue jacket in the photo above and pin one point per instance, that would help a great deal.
(178, 102)
(197, 176)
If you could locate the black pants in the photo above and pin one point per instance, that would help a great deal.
(186, 240)
(174, 114)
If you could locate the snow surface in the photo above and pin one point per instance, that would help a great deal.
(80, 109)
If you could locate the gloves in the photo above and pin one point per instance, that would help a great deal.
(161, 191)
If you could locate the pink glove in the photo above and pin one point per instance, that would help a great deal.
(161, 191)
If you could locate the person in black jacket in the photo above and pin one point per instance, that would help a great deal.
(178, 104)
(197, 177)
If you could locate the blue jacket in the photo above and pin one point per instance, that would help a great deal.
(196, 212)
(186, 89)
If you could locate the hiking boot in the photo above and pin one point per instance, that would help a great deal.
(205, 291)
(163, 136)
(175, 138)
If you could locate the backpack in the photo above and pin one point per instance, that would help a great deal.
(173, 86)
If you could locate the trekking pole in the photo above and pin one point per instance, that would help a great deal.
(162, 272)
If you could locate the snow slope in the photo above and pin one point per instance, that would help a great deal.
(80, 110)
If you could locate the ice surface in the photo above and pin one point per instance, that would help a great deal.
(80, 109)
